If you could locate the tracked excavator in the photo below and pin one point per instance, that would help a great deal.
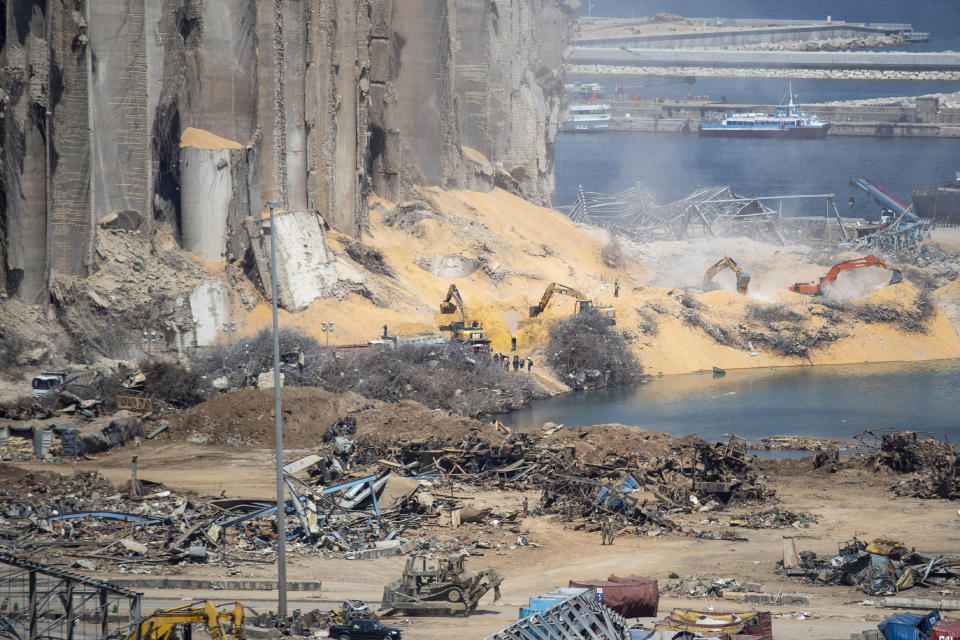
(223, 622)
(743, 279)
(439, 586)
(816, 288)
(581, 302)
(474, 337)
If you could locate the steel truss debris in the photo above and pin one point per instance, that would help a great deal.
(577, 616)
(38, 601)
(708, 211)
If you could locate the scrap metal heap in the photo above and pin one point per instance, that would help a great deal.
(933, 465)
(358, 499)
(881, 567)
(707, 212)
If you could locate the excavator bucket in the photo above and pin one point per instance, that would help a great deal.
(534, 312)
(743, 282)
(896, 277)
(447, 307)
(496, 593)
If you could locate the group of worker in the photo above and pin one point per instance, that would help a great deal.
(518, 362)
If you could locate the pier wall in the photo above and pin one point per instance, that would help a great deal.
(842, 60)
(738, 37)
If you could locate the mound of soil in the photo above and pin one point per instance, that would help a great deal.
(246, 418)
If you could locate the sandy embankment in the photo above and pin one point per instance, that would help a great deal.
(519, 248)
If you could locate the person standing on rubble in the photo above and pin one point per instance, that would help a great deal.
(300, 362)
(603, 533)
(611, 531)
(529, 363)
(516, 363)
(616, 288)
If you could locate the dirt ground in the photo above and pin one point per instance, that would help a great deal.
(846, 504)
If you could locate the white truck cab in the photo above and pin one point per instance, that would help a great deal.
(46, 381)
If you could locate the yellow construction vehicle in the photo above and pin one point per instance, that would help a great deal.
(743, 279)
(581, 302)
(223, 622)
(474, 337)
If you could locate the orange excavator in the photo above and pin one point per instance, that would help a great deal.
(816, 288)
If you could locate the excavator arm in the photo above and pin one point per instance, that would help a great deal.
(453, 302)
(871, 260)
(560, 289)
(743, 279)
(161, 624)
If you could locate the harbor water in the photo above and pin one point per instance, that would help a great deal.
(672, 165)
(819, 402)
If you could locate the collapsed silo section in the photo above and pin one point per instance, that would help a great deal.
(206, 192)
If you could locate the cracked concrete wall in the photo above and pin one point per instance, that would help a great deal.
(330, 100)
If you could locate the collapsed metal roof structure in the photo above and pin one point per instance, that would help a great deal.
(707, 212)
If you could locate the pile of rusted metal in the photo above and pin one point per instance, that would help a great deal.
(697, 477)
(931, 463)
(369, 498)
(880, 567)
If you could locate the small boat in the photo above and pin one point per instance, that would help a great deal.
(589, 117)
(784, 121)
(718, 372)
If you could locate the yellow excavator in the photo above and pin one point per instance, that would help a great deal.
(474, 337)
(223, 622)
(581, 302)
(743, 279)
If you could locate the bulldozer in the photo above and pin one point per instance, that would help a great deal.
(581, 302)
(163, 623)
(816, 288)
(439, 586)
(743, 279)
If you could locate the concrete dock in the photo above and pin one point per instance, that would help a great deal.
(842, 60)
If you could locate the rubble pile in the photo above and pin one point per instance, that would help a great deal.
(931, 463)
(365, 496)
(881, 567)
(694, 476)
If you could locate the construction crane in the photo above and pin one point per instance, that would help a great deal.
(581, 302)
(743, 279)
(223, 622)
(816, 288)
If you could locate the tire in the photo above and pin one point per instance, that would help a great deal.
(387, 637)
(344, 637)
(454, 595)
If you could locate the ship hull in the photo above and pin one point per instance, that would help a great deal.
(586, 125)
(721, 131)
(942, 206)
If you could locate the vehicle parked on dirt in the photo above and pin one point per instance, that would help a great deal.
(363, 630)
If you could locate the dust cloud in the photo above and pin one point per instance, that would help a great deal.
(512, 320)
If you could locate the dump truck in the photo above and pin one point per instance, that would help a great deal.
(439, 586)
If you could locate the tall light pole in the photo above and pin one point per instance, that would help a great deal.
(281, 512)
(327, 328)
